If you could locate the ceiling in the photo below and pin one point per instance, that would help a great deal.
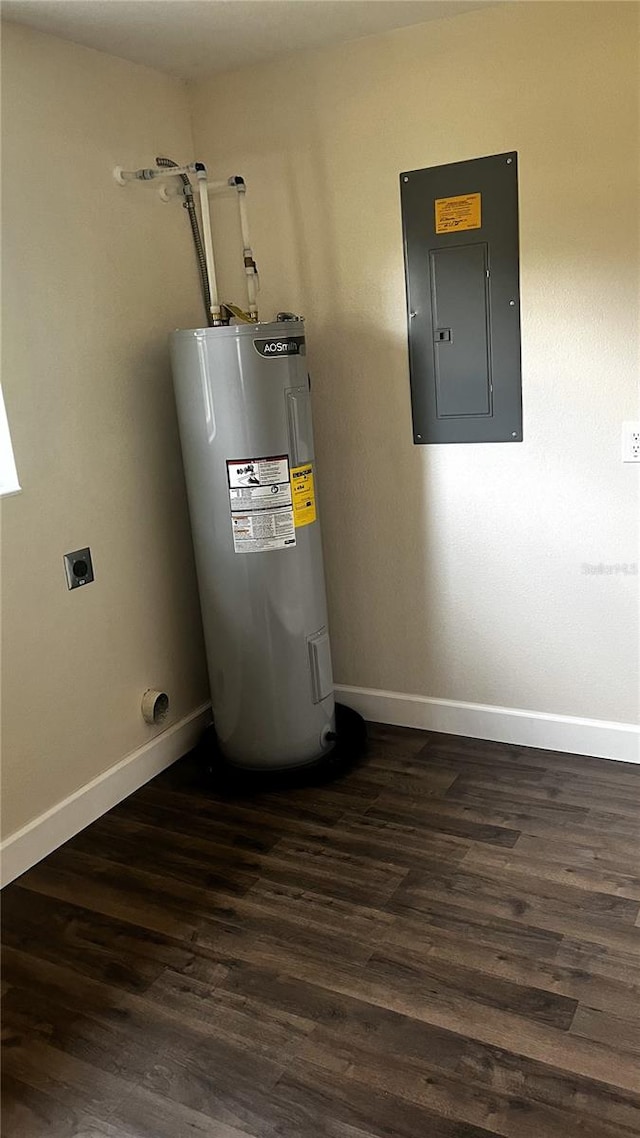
(195, 38)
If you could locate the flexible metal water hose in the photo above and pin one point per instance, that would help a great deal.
(190, 207)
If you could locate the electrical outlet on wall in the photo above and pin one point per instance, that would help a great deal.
(79, 567)
(631, 441)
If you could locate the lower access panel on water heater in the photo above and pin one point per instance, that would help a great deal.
(460, 225)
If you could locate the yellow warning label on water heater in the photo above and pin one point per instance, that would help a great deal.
(303, 495)
(455, 214)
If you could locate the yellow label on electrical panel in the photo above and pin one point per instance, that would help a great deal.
(303, 495)
(455, 214)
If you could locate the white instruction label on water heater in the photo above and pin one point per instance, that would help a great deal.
(261, 505)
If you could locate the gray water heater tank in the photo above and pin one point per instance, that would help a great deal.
(244, 413)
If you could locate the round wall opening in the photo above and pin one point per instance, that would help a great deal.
(155, 707)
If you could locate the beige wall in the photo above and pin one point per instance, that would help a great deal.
(457, 571)
(94, 278)
(453, 572)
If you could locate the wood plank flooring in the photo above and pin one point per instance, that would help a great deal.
(441, 944)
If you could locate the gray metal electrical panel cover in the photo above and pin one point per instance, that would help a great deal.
(460, 227)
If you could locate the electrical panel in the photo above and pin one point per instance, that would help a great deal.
(460, 228)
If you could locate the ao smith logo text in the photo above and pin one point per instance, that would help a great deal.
(285, 346)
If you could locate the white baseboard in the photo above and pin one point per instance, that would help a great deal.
(620, 741)
(597, 737)
(43, 834)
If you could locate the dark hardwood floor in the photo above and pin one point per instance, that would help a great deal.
(442, 944)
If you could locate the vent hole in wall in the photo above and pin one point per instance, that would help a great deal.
(155, 707)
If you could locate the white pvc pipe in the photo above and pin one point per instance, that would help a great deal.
(208, 244)
(244, 220)
(247, 254)
(252, 288)
(171, 171)
(150, 173)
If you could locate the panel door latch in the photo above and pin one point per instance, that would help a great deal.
(442, 336)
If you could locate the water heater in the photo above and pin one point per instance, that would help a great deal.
(244, 413)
